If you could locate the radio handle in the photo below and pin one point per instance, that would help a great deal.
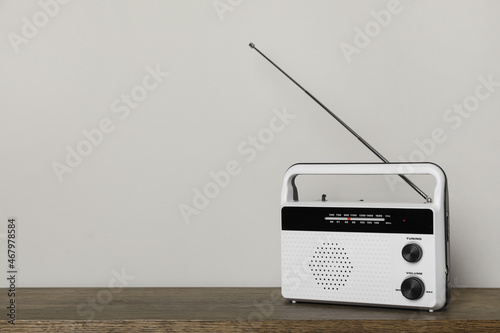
(289, 192)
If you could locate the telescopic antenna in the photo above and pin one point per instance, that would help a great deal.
(363, 141)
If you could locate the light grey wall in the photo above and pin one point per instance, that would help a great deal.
(198, 96)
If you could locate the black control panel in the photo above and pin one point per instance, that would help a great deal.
(377, 220)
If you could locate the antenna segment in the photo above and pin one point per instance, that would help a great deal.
(363, 141)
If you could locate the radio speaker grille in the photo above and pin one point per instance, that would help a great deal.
(330, 266)
(342, 266)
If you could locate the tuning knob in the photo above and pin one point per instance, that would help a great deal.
(412, 252)
(412, 288)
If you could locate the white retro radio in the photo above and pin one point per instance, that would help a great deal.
(361, 253)
(379, 254)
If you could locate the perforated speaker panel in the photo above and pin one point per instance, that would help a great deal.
(350, 267)
(331, 266)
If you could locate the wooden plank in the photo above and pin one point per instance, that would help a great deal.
(233, 310)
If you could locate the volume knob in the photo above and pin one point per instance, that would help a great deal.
(412, 288)
(412, 252)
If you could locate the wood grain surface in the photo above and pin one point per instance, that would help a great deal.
(232, 310)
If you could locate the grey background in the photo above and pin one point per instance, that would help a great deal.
(119, 209)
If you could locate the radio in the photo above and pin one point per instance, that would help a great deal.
(361, 253)
(380, 254)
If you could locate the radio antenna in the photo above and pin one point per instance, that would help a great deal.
(363, 141)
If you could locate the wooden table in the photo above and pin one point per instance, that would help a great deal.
(232, 310)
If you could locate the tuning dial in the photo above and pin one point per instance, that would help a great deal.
(412, 288)
(412, 252)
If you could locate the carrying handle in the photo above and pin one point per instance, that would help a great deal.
(289, 192)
